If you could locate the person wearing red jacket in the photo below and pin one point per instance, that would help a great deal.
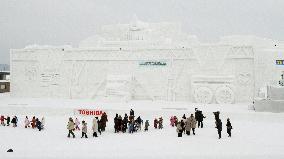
(2, 119)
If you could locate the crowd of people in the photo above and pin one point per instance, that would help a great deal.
(34, 123)
(185, 125)
(188, 124)
(128, 123)
(13, 121)
(98, 126)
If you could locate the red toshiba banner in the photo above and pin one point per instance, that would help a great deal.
(86, 112)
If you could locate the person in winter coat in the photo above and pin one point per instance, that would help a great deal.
(84, 129)
(14, 121)
(184, 117)
(182, 124)
(115, 120)
(160, 123)
(216, 114)
(187, 126)
(119, 123)
(146, 125)
(95, 127)
(2, 119)
(27, 122)
(33, 122)
(131, 113)
(42, 122)
(192, 123)
(8, 120)
(38, 124)
(124, 124)
(99, 126)
(77, 123)
(219, 127)
(175, 120)
(156, 123)
(71, 127)
(139, 122)
(179, 129)
(131, 126)
(103, 121)
(200, 119)
(172, 121)
(229, 127)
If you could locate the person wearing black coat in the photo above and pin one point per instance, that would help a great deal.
(182, 124)
(124, 124)
(38, 124)
(116, 123)
(8, 120)
(14, 121)
(229, 127)
(131, 112)
(199, 117)
(219, 127)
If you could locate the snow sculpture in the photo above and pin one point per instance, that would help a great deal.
(203, 95)
(167, 65)
(224, 95)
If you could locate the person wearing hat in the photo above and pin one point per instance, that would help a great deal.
(229, 127)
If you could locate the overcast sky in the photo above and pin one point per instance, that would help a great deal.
(59, 22)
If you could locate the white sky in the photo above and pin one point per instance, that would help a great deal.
(59, 22)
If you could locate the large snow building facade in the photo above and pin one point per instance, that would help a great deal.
(148, 61)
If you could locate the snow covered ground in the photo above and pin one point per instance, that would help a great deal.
(255, 135)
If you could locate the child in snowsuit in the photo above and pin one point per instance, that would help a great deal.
(84, 129)
(146, 125)
(77, 123)
(71, 127)
(27, 122)
(229, 127)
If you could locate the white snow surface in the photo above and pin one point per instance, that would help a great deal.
(254, 134)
